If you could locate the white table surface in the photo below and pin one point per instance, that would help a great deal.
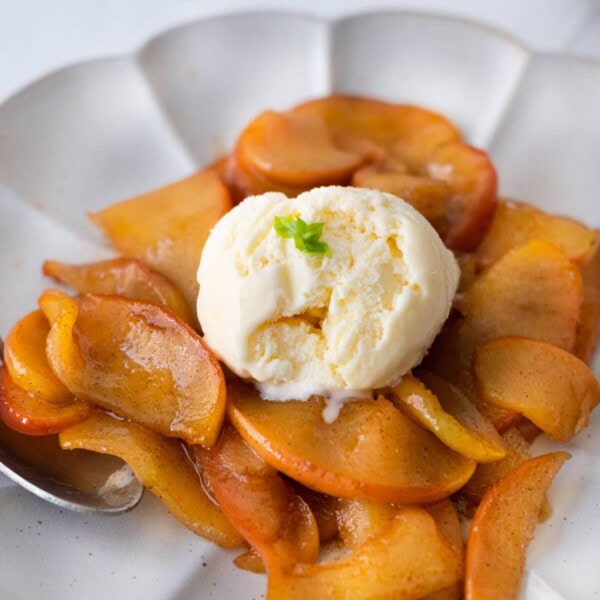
(37, 36)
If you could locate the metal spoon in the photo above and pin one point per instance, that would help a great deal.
(117, 492)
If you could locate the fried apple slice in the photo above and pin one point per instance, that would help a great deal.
(243, 181)
(138, 360)
(451, 418)
(409, 133)
(503, 527)
(32, 413)
(121, 277)
(294, 149)
(371, 450)
(379, 568)
(167, 228)
(517, 451)
(324, 509)
(533, 291)
(360, 519)
(430, 146)
(450, 358)
(274, 520)
(162, 465)
(25, 358)
(471, 176)
(516, 223)
(427, 195)
(549, 386)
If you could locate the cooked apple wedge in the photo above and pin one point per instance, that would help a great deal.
(167, 228)
(503, 527)
(430, 146)
(263, 507)
(162, 465)
(324, 508)
(549, 386)
(25, 358)
(471, 176)
(138, 360)
(409, 558)
(121, 277)
(516, 223)
(294, 149)
(533, 291)
(517, 451)
(360, 519)
(427, 195)
(408, 133)
(371, 450)
(32, 413)
(450, 417)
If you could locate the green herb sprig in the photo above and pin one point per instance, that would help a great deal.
(306, 236)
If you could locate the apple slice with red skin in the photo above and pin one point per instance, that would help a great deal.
(33, 414)
(263, 507)
(26, 361)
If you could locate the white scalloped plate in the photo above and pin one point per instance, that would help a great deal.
(91, 134)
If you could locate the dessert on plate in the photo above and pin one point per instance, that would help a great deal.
(328, 349)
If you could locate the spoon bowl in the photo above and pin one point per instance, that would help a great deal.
(76, 479)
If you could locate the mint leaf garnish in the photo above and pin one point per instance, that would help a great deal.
(306, 236)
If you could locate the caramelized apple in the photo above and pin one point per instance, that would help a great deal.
(516, 223)
(162, 465)
(324, 508)
(471, 176)
(517, 451)
(32, 413)
(121, 277)
(275, 521)
(408, 133)
(138, 360)
(360, 519)
(371, 450)
(430, 146)
(533, 291)
(427, 195)
(167, 228)
(25, 358)
(549, 386)
(451, 418)
(381, 567)
(295, 150)
(503, 527)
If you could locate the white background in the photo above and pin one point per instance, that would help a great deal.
(37, 36)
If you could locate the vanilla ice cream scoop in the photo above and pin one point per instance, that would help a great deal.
(338, 325)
